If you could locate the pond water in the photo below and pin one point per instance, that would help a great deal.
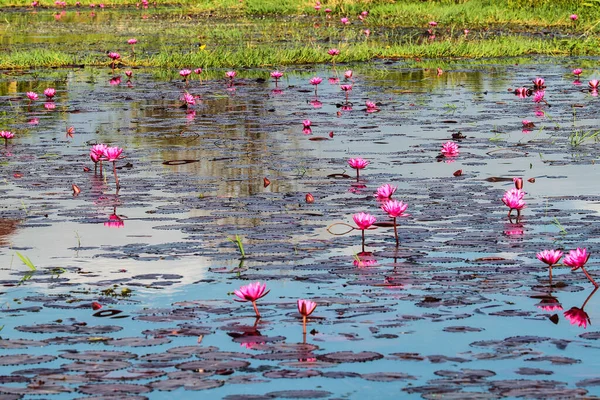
(461, 309)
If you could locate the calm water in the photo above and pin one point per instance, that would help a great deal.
(458, 294)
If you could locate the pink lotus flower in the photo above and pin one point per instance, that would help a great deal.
(112, 153)
(367, 32)
(318, 7)
(538, 97)
(577, 72)
(364, 13)
(114, 81)
(333, 52)
(371, 106)
(97, 152)
(306, 123)
(252, 293)
(432, 23)
(6, 135)
(315, 80)
(49, 106)
(576, 259)
(198, 71)
(593, 84)
(132, 41)
(328, 10)
(551, 307)
(539, 83)
(394, 208)
(276, 75)
(513, 199)
(114, 55)
(32, 96)
(188, 99)
(185, 73)
(50, 92)
(522, 92)
(450, 149)
(574, 17)
(306, 307)
(357, 164)
(348, 74)
(344, 21)
(128, 73)
(550, 257)
(346, 88)
(576, 316)
(385, 191)
(363, 220)
(230, 74)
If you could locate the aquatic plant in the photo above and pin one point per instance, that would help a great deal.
(385, 192)
(238, 242)
(518, 182)
(513, 199)
(6, 135)
(363, 221)
(371, 106)
(395, 209)
(188, 100)
(577, 316)
(305, 308)
(114, 56)
(347, 89)
(113, 154)
(450, 149)
(132, 42)
(358, 164)
(579, 136)
(348, 74)
(549, 257)
(96, 155)
(577, 259)
(539, 83)
(276, 75)
(309, 198)
(49, 93)
(315, 81)
(27, 261)
(252, 293)
(230, 75)
(185, 73)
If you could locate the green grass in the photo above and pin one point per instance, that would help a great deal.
(237, 34)
(267, 56)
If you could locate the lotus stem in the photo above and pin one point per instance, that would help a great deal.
(304, 324)
(256, 310)
(115, 172)
(589, 277)
(396, 232)
(363, 240)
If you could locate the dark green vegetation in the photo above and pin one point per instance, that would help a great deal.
(267, 33)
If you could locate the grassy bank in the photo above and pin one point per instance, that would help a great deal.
(267, 56)
(230, 34)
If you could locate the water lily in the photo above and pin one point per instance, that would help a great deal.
(513, 199)
(252, 293)
(49, 93)
(574, 17)
(358, 164)
(522, 92)
(549, 257)
(577, 259)
(276, 75)
(450, 149)
(305, 308)
(385, 192)
(113, 154)
(539, 83)
(395, 209)
(363, 221)
(6, 135)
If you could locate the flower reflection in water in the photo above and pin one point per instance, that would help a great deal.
(577, 315)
